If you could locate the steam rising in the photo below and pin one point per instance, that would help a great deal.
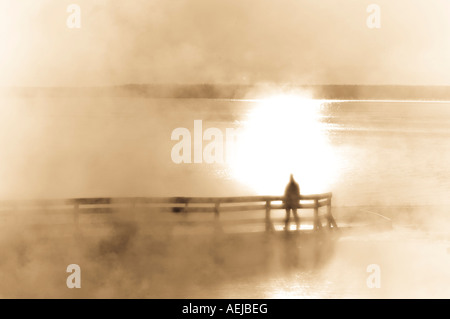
(389, 159)
(220, 41)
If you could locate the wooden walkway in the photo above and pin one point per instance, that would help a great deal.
(217, 206)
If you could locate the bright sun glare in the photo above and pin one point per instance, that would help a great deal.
(284, 135)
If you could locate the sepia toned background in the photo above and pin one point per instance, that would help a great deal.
(361, 112)
(199, 41)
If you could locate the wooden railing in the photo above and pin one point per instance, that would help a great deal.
(185, 205)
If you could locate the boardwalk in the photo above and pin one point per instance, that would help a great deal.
(223, 210)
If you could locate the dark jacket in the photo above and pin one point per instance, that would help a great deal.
(292, 194)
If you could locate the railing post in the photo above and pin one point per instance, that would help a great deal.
(217, 216)
(269, 226)
(331, 221)
(317, 223)
(329, 217)
(133, 209)
(184, 210)
(75, 215)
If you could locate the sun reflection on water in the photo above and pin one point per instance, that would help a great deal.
(281, 135)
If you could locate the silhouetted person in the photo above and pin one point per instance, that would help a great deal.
(291, 202)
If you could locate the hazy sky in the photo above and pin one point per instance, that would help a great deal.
(224, 41)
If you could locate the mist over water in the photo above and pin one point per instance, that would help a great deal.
(391, 158)
(387, 153)
(61, 138)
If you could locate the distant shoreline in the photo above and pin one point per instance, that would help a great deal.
(231, 91)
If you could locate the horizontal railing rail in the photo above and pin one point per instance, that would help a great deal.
(155, 200)
(215, 205)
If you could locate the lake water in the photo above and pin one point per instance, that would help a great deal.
(390, 156)
(380, 153)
